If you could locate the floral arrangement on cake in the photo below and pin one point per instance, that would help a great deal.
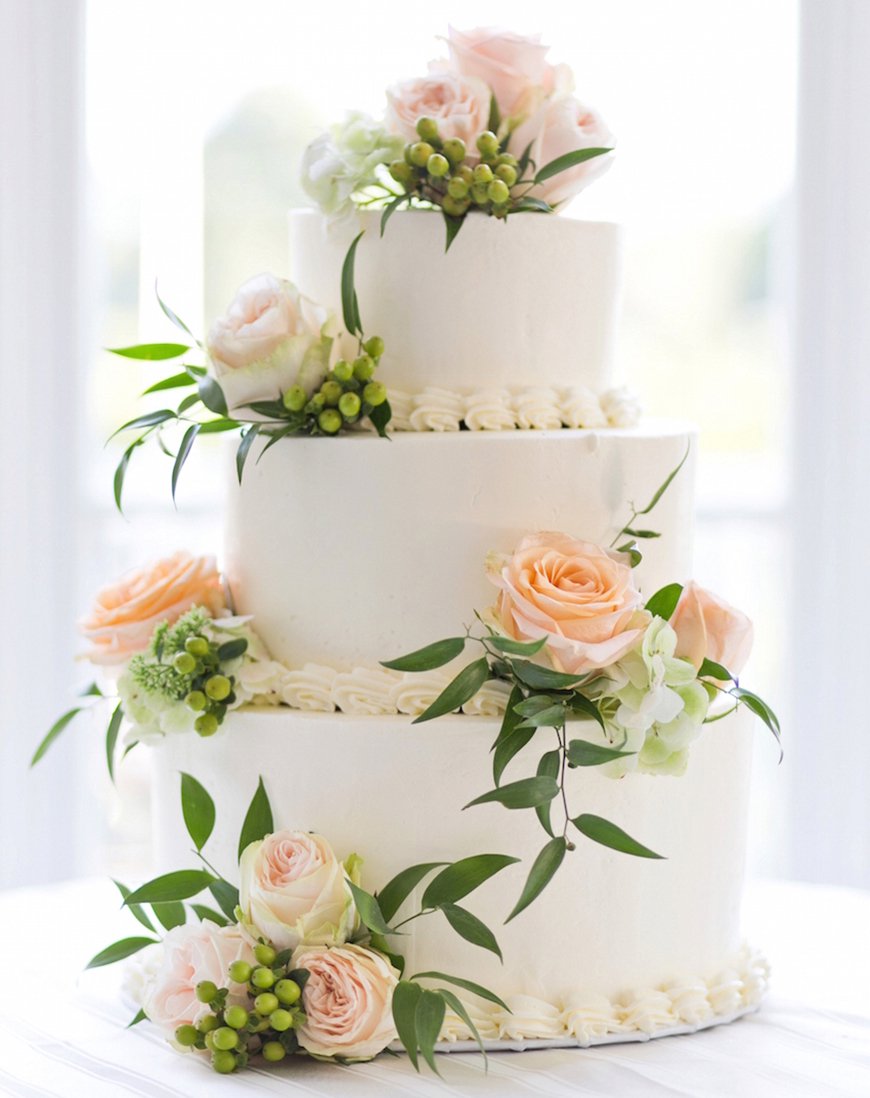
(493, 128)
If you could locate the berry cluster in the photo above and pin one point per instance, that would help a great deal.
(209, 691)
(439, 170)
(348, 394)
(232, 1034)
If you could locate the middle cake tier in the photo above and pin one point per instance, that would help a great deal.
(360, 549)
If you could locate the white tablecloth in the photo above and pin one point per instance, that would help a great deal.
(62, 1031)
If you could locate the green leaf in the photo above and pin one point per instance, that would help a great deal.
(761, 709)
(540, 875)
(511, 717)
(112, 738)
(187, 403)
(212, 395)
(276, 436)
(379, 942)
(543, 678)
(53, 733)
(530, 204)
(430, 657)
(458, 692)
(406, 997)
(151, 352)
(271, 409)
(535, 703)
(524, 160)
(136, 910)
(218, 426)
(183, 453)
(494, 115)
(467, 985)
(150, 419)
(176, 320)
(118, 951)
(634, 554)
(664, 602)
(666, 484)
(245, 444)
(608, 834)
(231, 650)
(550, 716)
(585, 707)
(526, 793)
(640, 533)
(349, 300)
(180, 885)
(380, 417)
(369, 910)
(469, 927)
(177, 381)
(390, 209)
(258, 819)
(508, 747)
(464, 876)
(395, 892)
(548, 767)
(517, 648)
(584, 753)
(711, 670)
(198, 810)
(170, 914)
(139, 1016)
(429, 1017)
(452, 225)
(203, 912)
(121, 471)
(458, 1007)
(568, 160)
(226, 896)
(91, 691)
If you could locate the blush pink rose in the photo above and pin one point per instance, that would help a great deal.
(561, 125)
(294, 891)
(459, 104)
(126, 612)
(348, 1001)
(191, 953)
(579, 596)
(513, 66)
(708, 628)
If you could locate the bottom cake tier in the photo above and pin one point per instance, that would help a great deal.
(615, 948)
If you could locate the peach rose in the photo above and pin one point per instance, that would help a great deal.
(459, 104)
(708, 628)
(271, 338)
(579, 596)
(189, 954)
(513, 66)
(560, 126)
(294, 891)
(348, 1002)
(126, 612)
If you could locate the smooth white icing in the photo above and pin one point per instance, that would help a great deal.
(532, 300)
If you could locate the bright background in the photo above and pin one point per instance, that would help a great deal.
(190, 120)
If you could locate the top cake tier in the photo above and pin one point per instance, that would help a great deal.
(529, 301)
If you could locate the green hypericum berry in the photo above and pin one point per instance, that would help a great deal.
(456, 207)
(316, 404)
(363, 367)
(506, 158)
(374, 346)
(187, 1036)
(218, 687)
(487, 145)
(427, 129)
(465, 173)
(236, 1016)
(207, 724)
(375, 393)
(295, 399)
(506, 173)
(349, 405)
(273, 1052)
(281, 1020)
(437, 165)
(401, 171)
(197, 646)
(196, 701)
(262, 978)
(420, 153)
(288, 991)
(223, 1062)
(498, 192)
(454, 150)
(500, 212)
(457, 188)
(329, 421)
(342, 371)
(331, 392)
(208, 1023)
(184, 662)
(265, 953)
(480, 194)
(225, 1039)
(265, 1003)
(482, 173)
(240, 972)
(206, 991)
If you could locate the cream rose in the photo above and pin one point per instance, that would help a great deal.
(271, 338)
(579, 596)
(559, 126)
(708, 628)
(191, 953)
(126, 612)
(459, 104)
(514, 66)
(348, 1002)
(294, 891)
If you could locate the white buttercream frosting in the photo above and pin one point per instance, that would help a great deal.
(364, 692)
(580, 407)
(537, 408)
(310, 687)
(489, 410)
(415, 691)
(621, 407)
(437, 410)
